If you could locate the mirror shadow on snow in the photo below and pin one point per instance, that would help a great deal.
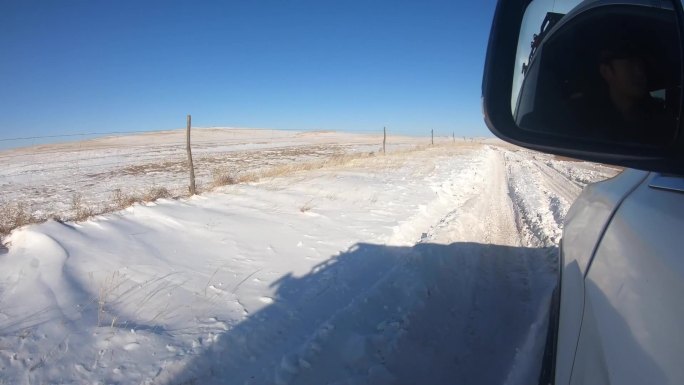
(431, 313)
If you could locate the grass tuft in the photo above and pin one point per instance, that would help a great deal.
(80, 209)
(306, 207)
(156, 193)
(13, 215)
(222, 178)
(121, 200)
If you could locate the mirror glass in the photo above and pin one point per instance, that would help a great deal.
(599, 70)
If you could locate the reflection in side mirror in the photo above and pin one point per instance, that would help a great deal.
(606, 72)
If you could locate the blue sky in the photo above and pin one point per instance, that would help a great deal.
(99, 66)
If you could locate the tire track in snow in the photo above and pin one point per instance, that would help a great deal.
(499, 287)
(558, 183)
(541, 197)
(476, 293)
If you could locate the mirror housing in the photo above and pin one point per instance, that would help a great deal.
(497, 88)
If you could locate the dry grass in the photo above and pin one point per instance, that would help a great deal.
(156, 193)
(146, 169)
(121, 200)
(80, 209)
(291, 168)
(14, 215)
(306, 206)
(223, 178)
(106, 294)
(142, 169)
(338, 160)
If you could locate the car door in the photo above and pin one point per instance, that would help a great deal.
(634, 292)
(585, 223)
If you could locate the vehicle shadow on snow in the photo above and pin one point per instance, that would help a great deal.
(431, 313)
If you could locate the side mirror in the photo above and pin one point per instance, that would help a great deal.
(595, 80)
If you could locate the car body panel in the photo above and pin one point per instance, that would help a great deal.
(631, 328)
(584, 226)
(588, 216)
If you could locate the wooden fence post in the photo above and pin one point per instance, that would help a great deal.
(190, 166)
(432, 135)
(453, 136)
(384, 138)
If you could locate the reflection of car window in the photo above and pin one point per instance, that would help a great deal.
(526, 98)
(540, 17)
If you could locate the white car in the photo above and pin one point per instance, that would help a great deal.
(601, 81)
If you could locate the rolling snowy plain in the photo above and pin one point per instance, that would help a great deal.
(429, 265)
(47, 178)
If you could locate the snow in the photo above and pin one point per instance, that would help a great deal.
(46, 178)
(429, 266)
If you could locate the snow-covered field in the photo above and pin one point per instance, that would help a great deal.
(424, 266)
(47, 178)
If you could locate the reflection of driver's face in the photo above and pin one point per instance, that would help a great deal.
(626, 77)
(641, 116)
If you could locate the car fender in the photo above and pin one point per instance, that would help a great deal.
(584, 226)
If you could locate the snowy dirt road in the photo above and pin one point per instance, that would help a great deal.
(433, 266)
